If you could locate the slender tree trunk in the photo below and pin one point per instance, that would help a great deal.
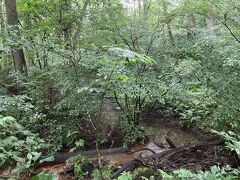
(211, 23)
(1, 21)
(2, 32)
(191, 20)
(134, 6)
(170, 34)
(146, 6)
(66, 29)
(169, 30)
(79, 28)
(191, 25)
(139, 5)
(28, 26)
(12, 20)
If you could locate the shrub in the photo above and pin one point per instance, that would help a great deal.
(19, 145)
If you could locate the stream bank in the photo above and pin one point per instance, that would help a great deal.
(190, 152)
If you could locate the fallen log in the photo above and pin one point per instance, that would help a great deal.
(62, 157)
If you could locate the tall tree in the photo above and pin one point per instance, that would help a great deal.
(146, 6)
(1, 19)
(169, 29)
(12, 20)
(1, 32)
(211, 23)
(191, 24)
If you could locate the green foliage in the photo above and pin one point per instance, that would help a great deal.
(132, 133)
(132, 84)
(183, 54)
(82, 166)
(104, 173)
(29, 101)
(19, 145)
(142, 172)
(78, 144)
(14, 105)
(96, 174)
(232, 140)
(214, 173)
(43, 176)
(125, 176)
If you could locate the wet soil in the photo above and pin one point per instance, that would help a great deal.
(160, 127)
(117, 159)
(157, 144)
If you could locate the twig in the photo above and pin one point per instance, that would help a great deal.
(229, 29)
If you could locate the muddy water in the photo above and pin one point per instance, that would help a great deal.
(158, 134)
(117, 159)
(120, 159)
(157, 137)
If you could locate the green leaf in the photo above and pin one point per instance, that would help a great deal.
(80, 143)
(43, 176)
(48, 159)
(125, 176)
(29, 156)
(73, 149)
(36, 155)
(82, 89)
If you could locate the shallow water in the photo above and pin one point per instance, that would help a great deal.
(116, 159)
(158, 134)
(136, 150)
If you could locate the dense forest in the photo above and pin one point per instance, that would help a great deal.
(120, 89)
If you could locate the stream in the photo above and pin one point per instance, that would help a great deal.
(158, 135)
(157, 143)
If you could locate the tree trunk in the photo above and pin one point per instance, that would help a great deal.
(139, 5)
(191, 20)
(143, 5)
(28, 26)
(2, 32)
(169, 30)
(211, 23)
(79, 27)
(191, 25)
(1, 22)
(146, 6)
(66, 27)
(12, 20)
